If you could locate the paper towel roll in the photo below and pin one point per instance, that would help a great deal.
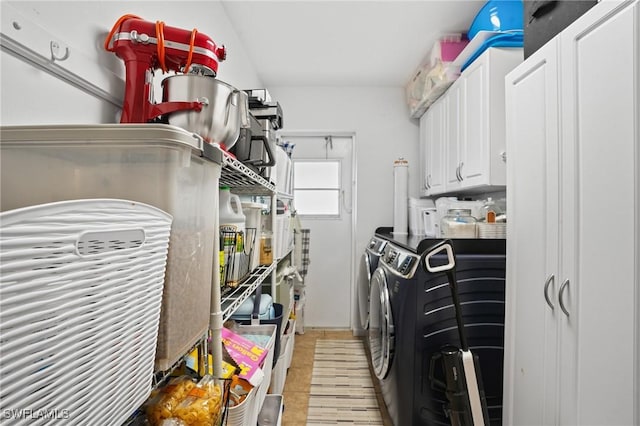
(400, 196)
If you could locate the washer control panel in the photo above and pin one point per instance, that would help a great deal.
(377, 245)
(400, 261)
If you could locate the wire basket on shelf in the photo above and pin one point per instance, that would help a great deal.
(235, 256)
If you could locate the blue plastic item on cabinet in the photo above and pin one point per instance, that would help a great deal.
(510, 39)
(498, 15)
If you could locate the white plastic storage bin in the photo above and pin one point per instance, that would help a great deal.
(290, 334)
(284, 234)
(283, 171)
(80, 294)
(271, 412)
(279, 374)
(159, 165)
(246, 413)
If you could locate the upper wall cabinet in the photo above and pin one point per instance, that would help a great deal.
(471, 146)
(433, 130)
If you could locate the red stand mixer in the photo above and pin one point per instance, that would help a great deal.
(146, 46)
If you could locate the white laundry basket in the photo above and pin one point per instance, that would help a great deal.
(80, 295)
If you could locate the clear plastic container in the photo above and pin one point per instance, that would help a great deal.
(266, 248)
(160, 165)
(458, 223)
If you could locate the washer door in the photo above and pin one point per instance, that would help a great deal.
(381, 329)
(364, 283)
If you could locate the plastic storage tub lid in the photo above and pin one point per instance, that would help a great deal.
(99, 133)
(514, 40)
(498, 15)
(246, 308)
(253, 205)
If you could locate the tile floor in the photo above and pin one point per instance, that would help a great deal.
(298, 383)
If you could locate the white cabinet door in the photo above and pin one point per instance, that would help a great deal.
(473, 165)
(422, 150)
(435, 146)
(533, 241)
(454, 131)
(600, 150)
(482, 143)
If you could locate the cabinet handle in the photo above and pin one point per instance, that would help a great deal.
(546, 290)
(458, 173)
(562, 288)
(460, 170)
(428, 184)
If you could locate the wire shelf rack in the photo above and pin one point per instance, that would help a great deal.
(233, 298)
(242, 178)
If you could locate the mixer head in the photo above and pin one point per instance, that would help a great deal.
(163, 47)
(146, 46)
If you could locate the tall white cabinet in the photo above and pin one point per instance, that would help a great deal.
(572, 342)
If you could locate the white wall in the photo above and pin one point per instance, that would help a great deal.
(31, 96)
(384, 132)
(378, 115)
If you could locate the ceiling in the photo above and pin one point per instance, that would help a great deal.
(344, 43)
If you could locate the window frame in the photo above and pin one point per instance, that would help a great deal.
(339, 188)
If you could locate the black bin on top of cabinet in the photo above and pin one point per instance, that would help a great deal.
(543, 19)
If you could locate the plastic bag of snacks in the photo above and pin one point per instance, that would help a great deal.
(239, 389)
(203, 404)
(163, 403)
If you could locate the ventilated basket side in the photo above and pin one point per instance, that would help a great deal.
(80, 294)
(246, 414)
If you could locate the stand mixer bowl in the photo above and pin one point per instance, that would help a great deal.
(223, 111)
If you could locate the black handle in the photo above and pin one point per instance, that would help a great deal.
(255, 315)
(446, 246)
(436, 384)
(262, 163)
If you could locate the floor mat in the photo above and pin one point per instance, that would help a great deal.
(342, 391)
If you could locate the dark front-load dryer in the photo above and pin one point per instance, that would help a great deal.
(412, 318)
(368, 264)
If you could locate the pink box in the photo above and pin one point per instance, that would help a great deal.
(246, 354)
(449, 50)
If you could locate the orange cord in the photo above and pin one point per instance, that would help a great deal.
(115, 28)
(160, 37)
(192, 44)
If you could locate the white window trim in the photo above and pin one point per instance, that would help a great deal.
(340, 189)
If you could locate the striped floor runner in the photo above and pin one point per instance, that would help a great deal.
(342, 391)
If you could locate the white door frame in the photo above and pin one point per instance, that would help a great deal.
(282, 134)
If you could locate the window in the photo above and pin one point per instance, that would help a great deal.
(317, 187)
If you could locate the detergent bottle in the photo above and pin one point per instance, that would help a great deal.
(232, 219)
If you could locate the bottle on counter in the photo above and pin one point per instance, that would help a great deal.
(491, 210)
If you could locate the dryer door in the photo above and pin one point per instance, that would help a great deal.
(364, 284)
(381, 331)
